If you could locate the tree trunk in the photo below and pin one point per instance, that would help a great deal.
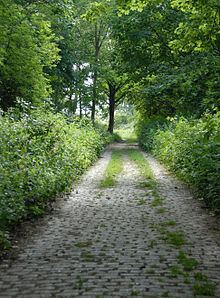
(73, 102)
(95, 72)
(112, 93)
(80, 105)
(94, 94)
(7, 97)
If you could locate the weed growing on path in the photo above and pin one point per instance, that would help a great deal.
(87, 256)
(175, 271)
(152, 243)
(135, 293)
(146, 172)
(161, 210)
(142, 201)
(157, 201)
(176, 238)
(79, 283)
(205, 289)
(115, 167)
(150, 271)
(165, 294)
(202, 285)
(144, 218)
(184, 265)
(99, 195)
(169, 223)
(83, 244)
(188, 264)
(200, 277)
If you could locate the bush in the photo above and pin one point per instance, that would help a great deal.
(146, 129)
(40, 156)
(191, 149)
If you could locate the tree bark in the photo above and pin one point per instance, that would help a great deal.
(95, 72)
(80, 105)
(94, 95)
(8, 94)
(112, 102)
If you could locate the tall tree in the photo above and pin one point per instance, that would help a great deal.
(173, 50)
(97, 14)
(73, 68)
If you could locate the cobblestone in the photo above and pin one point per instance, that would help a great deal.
(101, 243)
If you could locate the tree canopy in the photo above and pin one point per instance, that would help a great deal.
(163, 56)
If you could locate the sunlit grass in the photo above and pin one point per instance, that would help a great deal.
(115, 167)
(127, 135)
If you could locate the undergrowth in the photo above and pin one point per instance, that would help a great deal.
(189, 147)
(41, 154)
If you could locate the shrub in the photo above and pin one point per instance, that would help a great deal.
(191, 149)
(146, 129)
(40, 156)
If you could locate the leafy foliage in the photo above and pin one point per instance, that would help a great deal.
(146, 128)
(40, 156)
(172, 50)
(191, 149)
(28, 46)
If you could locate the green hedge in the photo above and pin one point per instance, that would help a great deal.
(191, 148)
(40, 156)
(146, 129)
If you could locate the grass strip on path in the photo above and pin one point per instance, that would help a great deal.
(144, 168)
(185, 263)
(115, 167)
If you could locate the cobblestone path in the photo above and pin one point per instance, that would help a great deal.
(113, 243)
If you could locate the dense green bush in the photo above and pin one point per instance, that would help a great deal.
(191, 148)
(103, 131)
(41, 155)
(146, 129)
